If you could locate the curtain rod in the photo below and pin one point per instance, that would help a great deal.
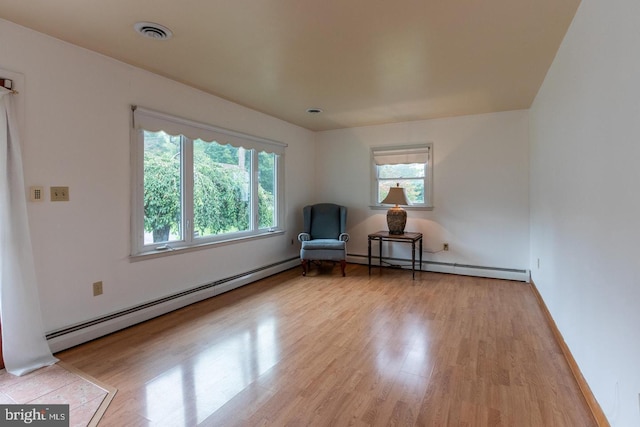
(8, 84)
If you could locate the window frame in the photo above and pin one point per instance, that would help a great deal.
(152, 121)
(403, 150)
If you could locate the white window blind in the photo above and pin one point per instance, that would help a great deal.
(401, 156)
(154, 121)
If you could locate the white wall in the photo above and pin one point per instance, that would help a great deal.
(481, 200)
(585, 204)
(76, 133)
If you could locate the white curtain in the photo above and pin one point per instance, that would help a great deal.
(24, 345)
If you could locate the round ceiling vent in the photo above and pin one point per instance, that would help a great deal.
(314, 110)
(153, 31)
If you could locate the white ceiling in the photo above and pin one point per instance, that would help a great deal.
(362, 61)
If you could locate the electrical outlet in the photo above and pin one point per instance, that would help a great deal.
(97, 288)
(445, 247)
(59, 194)
(538, 262)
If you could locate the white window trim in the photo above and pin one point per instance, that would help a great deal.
(407, 152)
(153, 121)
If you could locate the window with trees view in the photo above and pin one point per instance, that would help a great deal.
(408, 166)
(196, 184)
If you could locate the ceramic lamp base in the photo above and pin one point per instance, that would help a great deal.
(396, 220)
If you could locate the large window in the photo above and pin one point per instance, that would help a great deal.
(407, 166)
(196, 184)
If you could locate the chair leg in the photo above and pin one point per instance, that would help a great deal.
(304, 267)
(343, 264)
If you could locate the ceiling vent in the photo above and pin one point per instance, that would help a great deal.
(153, 31)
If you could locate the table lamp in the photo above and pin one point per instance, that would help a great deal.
(396, 216)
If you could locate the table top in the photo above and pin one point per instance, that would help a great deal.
(407, 235)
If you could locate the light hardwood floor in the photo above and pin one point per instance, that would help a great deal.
(442, 350)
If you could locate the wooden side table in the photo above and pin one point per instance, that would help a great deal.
(407, 237)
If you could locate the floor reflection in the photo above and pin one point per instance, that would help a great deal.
(165, 396)
(192, 391)
(403, 346)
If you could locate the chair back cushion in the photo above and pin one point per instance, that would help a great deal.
(325, 220)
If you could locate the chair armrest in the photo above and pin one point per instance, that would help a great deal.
(344, 237)
(303, 237)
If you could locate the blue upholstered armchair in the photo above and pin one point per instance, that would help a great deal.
(324, 237)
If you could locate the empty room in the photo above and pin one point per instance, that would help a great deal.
(334, 213)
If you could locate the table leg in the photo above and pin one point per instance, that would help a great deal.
(369, 256)
(413, 259)
(420, 266)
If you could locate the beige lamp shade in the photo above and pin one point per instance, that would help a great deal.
(396, 216)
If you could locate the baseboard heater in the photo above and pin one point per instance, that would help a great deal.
(446, 267)
(204, 292)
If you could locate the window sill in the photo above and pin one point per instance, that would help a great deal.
(151, 254)
(406, 208)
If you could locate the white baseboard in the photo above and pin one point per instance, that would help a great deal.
(73, 335)
(451, 268)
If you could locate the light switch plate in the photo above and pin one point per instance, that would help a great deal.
(59, 194)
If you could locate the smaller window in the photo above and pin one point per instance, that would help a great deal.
(409, 166)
